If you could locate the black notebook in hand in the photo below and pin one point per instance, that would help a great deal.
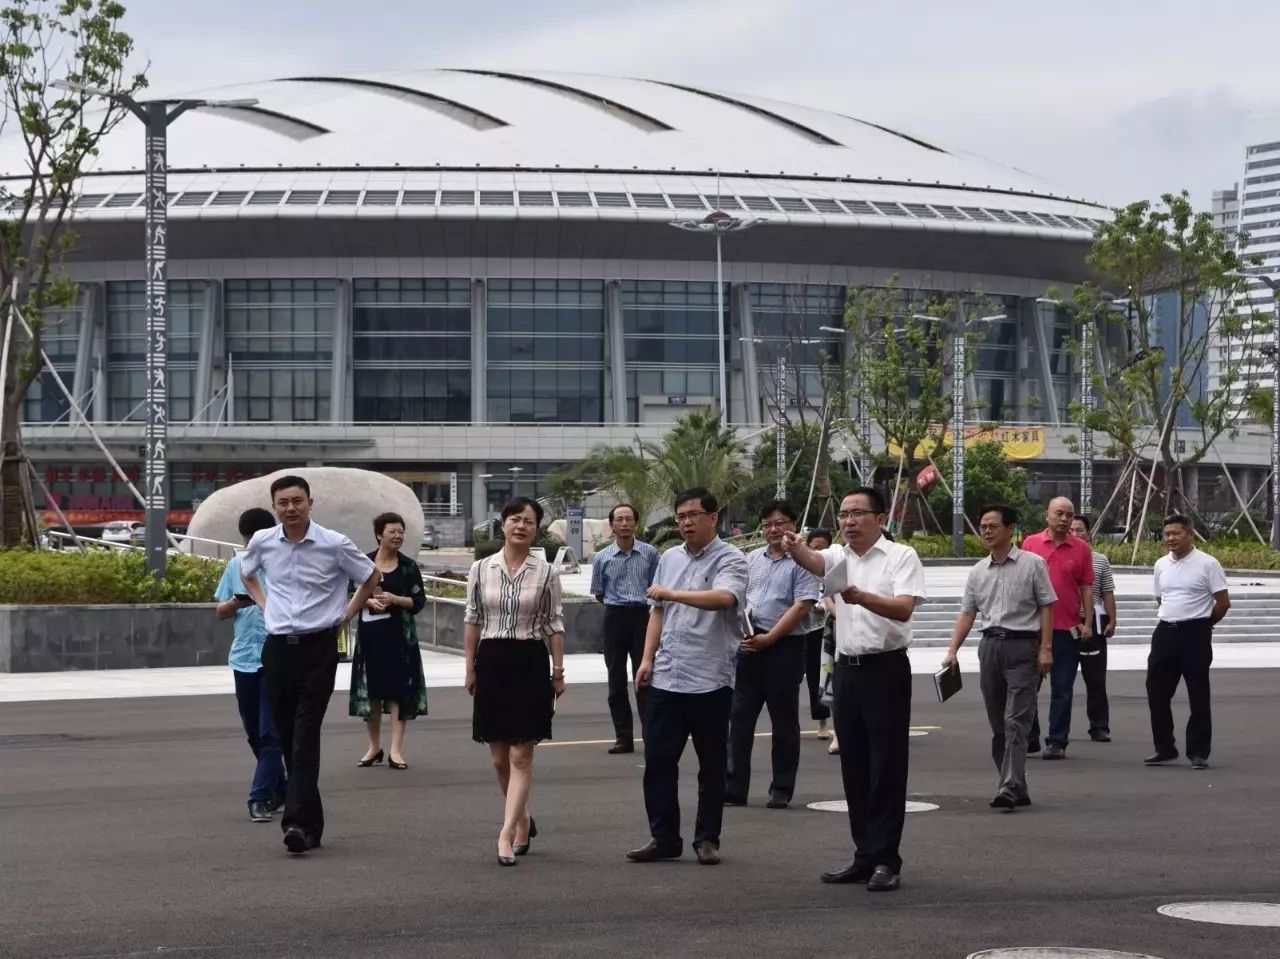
(946, 683)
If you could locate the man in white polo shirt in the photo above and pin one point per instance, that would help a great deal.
(305, 601)
(1191, 590)
(872, 708)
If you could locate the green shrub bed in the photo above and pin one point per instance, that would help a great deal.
(57, 577)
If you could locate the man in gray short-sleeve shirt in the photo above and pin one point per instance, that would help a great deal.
(1011, 589)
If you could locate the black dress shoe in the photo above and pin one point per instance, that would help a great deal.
(850, 873)
(392, 764)
(1198, 762)
(1022, 801)
(618, 748)
(1161, 756)
(650, 852)
(883, 879)
(777, 802)
(1003, 801)
(374, 760)
(734, 801)
(1100, 737)
(522, 848)
(708, 853)
(298, 842)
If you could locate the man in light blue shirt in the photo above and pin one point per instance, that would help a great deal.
(304, 602)
(695, 628)
(267, 790)
(780, 594)
(620, 574)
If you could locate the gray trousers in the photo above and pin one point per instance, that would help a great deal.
(1009, 680)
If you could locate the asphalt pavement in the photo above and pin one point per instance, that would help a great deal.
(123, 833)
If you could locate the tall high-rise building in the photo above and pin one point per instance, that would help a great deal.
(1250, 216)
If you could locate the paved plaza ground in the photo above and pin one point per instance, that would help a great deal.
(123, 833)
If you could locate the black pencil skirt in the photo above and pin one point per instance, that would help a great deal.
(514, 700)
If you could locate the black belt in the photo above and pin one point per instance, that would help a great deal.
(1175, 624)
(997, 632)
(626, 605)
(293, 638)
(868, 659)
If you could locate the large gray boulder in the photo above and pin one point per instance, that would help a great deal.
(346, 500)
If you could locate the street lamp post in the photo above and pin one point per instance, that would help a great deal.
(864, 414)
(719, 223)
(156, 116)
(960, 328)
(780, 432)
(515, 472)
(1086, 404)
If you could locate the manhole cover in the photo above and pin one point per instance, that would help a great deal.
(1056, 952)
(840, 805)
(1225, 913)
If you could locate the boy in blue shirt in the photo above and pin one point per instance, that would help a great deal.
(267, 791)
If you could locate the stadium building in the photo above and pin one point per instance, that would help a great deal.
(468, 278)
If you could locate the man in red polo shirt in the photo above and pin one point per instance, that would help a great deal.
(1071, 572)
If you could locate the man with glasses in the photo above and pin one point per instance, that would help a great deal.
(879, 584)
(1071, 572)
(780, 595)
(620, 573)
(1011, 589)
(690, 650)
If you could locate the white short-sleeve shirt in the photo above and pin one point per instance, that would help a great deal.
(889, 569)
(1185, 587)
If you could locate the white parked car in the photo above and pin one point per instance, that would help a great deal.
(127, 532)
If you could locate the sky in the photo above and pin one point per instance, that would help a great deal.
(1113, 101)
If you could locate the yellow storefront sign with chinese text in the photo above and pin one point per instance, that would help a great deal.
(1018, 442)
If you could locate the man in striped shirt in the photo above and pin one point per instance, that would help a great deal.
(620, 574)
(1093, 653)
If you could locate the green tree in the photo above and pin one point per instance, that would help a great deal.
(901, 372)
(698, 451)
(57, 134)
(803, 447)
(1179, 281)
(988, 478)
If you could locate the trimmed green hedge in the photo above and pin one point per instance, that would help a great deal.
(1232, 553)
(65, 577)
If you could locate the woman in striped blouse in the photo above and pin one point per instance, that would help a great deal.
(515, 663)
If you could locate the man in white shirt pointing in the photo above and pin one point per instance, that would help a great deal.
(872, 710)
(1191, 589)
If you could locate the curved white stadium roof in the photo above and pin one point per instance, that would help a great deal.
(607, 147)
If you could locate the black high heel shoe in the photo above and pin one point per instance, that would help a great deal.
(508, 860)
(392, 764)
(522, 849)
(374, 760)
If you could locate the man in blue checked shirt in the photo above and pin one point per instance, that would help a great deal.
(780, 594)
(620, 574)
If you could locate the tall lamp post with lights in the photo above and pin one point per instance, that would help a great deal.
(156, 116)
(864, 413)
(1086, 403)
(718, 223)
(959, 328)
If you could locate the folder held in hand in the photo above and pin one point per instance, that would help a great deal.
(946, 683)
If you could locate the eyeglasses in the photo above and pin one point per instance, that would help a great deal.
(776, 524)
(690, 516)
(855, 513)
(990, 527)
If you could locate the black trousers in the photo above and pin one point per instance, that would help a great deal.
(873, 722)
(1093, 668)
(1183, 651)
(672, 719)
(813, 673)
(769, 678)
(624, 628)
(300, 672)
